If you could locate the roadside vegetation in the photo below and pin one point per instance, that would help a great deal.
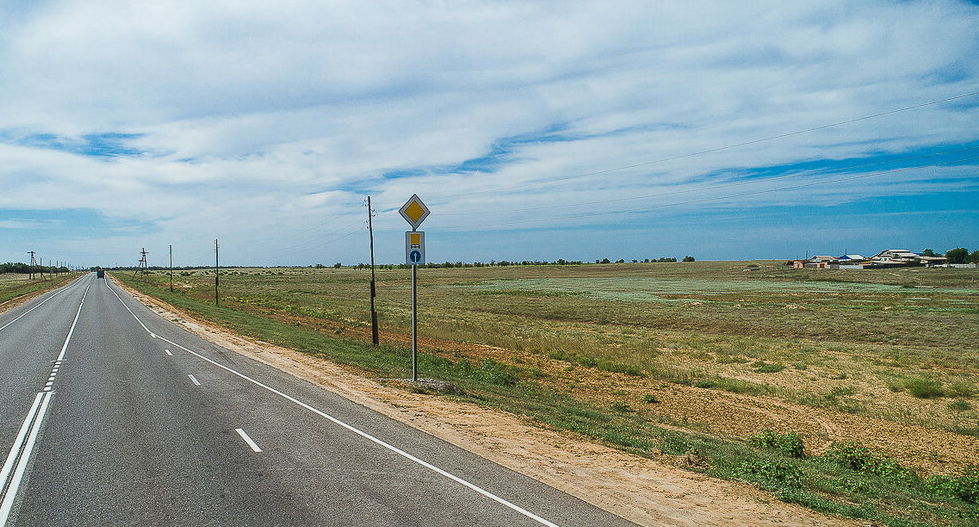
(14, 285)
(850, 392)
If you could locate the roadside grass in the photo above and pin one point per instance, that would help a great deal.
(14, 285)
(820, 483)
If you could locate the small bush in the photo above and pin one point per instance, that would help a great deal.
(959, 405)
(962, 389)
(771, 475)
(614, 367)
(676, 444)
(852, 485)
(789, 443)
(649, 398)
(621, 407)
(767, 367)
(860, 459)
(558, 355)
(964, 487)
(924, 388)
(587, 362)
(763, 438)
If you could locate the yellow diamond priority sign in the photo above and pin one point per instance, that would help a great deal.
(414, 211)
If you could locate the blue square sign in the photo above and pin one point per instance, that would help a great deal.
(415, 247)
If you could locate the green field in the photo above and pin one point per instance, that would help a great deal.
(673, 358)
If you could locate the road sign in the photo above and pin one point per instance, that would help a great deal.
(415, 247)
(414, 212)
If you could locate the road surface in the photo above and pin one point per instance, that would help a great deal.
(111, 415)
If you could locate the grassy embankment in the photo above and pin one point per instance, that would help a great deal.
(603, 350)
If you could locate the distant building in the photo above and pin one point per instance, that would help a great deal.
(891, 258)
(934, 261)
(896, 255)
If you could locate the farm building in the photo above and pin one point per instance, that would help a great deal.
(885, 259)
(934, 261)
(896, 255)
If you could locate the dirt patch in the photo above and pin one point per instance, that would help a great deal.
(645, 491)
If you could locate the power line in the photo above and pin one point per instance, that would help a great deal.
(333, 237)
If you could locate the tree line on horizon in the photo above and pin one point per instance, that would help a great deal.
(504, 263)
(958, 255)
(22, 268)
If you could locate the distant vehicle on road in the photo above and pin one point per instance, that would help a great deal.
(100, 273)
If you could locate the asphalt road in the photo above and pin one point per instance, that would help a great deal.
(114, 416)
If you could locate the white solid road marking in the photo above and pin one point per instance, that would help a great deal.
(31, 309)
(21, 451)
(24, 451)
(194, 380)
(131, 313)
(248, 440)
(168, 352)
(353, 429)
(15, 449)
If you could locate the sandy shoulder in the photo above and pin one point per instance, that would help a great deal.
(645, 491)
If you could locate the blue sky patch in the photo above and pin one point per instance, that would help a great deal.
(944, 155)
(69, 223)
(93, 145)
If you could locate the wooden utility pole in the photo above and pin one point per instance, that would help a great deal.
(370, 229)
(30, 274)
(141, 268)
(217, 271)
(171, 268)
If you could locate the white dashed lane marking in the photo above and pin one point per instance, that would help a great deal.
(248, 440)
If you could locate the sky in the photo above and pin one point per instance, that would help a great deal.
(532, 130)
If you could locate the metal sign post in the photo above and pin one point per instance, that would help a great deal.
(414, 212)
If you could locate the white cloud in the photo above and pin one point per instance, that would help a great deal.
(257, 119)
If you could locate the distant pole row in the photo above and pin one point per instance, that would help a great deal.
(142, 267)
(36, 267)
